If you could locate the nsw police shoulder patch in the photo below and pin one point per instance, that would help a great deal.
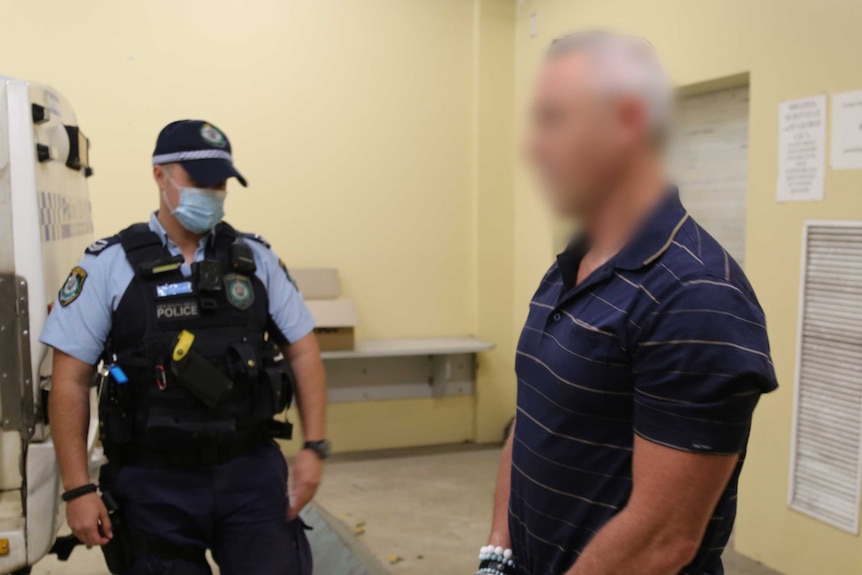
(239, 291)
(72, 287)
(283, 267)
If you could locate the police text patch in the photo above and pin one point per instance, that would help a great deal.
(177, 310)
(73, 286)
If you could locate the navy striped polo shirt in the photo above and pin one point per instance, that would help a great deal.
(667, 341)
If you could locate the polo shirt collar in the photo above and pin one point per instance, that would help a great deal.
(570, 260)
(653, 238)
(655, 235)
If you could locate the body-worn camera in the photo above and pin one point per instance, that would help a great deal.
(208, 279)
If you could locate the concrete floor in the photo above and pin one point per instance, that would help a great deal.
(420, 512)
(427, 511)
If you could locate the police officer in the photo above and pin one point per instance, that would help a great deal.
(203, 338)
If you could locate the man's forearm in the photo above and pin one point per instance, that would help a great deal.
(304, 357)
(661, 528)
(69, 408)
(500, 524)
(629, 545)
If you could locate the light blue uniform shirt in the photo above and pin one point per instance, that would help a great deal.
(81, 328)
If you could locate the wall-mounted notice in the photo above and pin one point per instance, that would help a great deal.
(847, 131)
(801, 149)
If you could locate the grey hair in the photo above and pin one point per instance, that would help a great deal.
(625, 65)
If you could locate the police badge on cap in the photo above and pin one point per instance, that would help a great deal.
(213, 135)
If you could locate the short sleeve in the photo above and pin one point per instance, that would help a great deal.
(80, 319)
(699, 368)
(287, 309)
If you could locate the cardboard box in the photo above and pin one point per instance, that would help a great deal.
(335, 318)
(317, 284)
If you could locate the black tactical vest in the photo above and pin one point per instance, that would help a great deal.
(155, 417)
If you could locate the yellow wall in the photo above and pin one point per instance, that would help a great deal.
(351, 121)
(792, 48)
(359, 127)
(495, 216)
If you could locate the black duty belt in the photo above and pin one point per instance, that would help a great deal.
(210, 453)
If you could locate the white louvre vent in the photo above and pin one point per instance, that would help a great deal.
(826, 467)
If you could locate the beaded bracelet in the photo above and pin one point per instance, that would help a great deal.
(495, 561)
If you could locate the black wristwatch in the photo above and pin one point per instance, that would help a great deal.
(322, 448)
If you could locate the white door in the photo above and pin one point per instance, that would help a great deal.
(709, 159)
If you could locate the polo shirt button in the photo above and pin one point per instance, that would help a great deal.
(557, 317)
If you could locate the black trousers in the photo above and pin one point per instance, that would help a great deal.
(235, 509)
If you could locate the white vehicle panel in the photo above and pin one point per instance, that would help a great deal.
(45, 225)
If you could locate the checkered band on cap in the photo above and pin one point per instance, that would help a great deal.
(192, 155)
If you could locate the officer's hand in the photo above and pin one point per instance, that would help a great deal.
(306, 474)
(88, 518)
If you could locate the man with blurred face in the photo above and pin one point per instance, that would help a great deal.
(644, 352)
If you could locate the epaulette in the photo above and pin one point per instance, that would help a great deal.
(256, 237)
(99, 246)
(261, 240)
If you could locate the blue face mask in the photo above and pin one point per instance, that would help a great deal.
(199, 209)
